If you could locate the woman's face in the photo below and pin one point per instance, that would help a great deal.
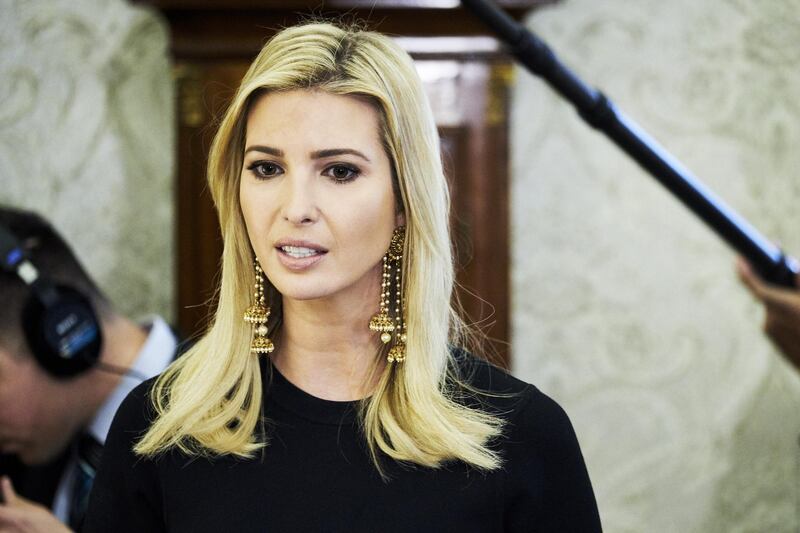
(316, 194)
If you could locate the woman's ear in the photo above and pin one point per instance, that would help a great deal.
(400, 219)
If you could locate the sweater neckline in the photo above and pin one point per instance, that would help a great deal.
(294, 399)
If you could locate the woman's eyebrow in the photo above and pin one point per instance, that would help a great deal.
(321, 154)
(264, 149)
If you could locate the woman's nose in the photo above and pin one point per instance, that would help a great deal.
(298, 199)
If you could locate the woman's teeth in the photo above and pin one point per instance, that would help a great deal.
(298, 252)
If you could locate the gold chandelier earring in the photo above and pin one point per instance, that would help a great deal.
(382, 322)
(257, 315)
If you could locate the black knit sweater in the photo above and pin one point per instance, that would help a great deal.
(316, 476)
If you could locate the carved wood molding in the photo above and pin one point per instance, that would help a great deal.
(332, 4)
(238, 28)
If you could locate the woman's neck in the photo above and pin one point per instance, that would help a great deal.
(325, 348)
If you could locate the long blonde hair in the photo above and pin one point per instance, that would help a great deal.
(210, 400)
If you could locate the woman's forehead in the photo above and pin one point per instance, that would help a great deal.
(312, 117)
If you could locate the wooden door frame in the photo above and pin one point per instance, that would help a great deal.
(200, 44)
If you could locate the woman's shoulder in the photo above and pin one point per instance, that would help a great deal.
(485, 375)
(136, 412)
(543, 462)
(497, 391)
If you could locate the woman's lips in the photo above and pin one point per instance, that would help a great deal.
(299, 257)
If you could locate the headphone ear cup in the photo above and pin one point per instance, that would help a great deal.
(64, 334)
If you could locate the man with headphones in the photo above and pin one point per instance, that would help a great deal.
(67, 360)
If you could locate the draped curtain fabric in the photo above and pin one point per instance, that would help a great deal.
(86, 137)
(626, 308)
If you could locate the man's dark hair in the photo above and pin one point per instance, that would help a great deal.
(54, 260)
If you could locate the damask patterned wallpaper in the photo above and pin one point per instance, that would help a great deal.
(86, 120)
(626, 308)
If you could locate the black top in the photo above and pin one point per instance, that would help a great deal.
(316, 476)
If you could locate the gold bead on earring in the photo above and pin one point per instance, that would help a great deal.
(382, 322)
(258, 314)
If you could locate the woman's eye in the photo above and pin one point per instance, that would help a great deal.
(264, 170)
(342, 173)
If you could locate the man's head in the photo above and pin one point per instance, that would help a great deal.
(39, 413)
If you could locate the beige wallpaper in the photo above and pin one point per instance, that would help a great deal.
(626, 309)
(86, 137)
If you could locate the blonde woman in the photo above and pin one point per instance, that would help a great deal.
(328, 394)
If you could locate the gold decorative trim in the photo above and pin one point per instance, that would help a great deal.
(191, 110)
(500, 79)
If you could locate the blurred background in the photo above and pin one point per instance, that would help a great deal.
(596, 284)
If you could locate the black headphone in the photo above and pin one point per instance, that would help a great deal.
(60, 325)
